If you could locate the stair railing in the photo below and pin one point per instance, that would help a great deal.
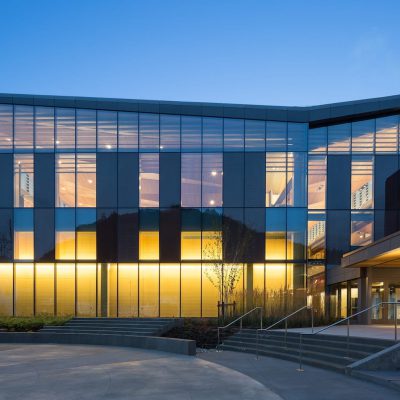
(221, 328)
(262, 331)
(347, 320)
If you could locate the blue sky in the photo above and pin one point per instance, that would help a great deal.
(271, 52)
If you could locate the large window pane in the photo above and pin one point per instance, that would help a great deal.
(23, 180)
(296, 179)
(85, 130)
(65, 289)
(23, 234)
(6, 127)
(190, 290)
(276, 136)
(211, 236)
(149, 179)
(44, 289)
(191, 134)
(191, 180)
(317, 140)
(128, 290)
(149, 132)
(254, 135)
(386, 136)
(170, 132)
(191, 235)
(86, 290)
(275, 290)
(211, 289)
(275, 236)
(212, 134)
(6, 289)
(65, 180)
(233, 134)
(24, 276)
(296, 233)
(316, 182)
(44, 128)
(86, 234)
(316, 235)
(106, 131)
(149, 248)
(339, 138)
(276, 187)
(362, 224)
(86, 180)
(128, 135)
(361, 182)
(148, 290)
(170, 290)
(6, 231)
(362, 136)
(65, 129)
(65, 234)
(212, 180)
(23, 128)
(297, 136)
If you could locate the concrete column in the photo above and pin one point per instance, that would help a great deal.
(364, 295)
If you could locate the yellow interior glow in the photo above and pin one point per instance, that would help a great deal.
(190, 290)
(169, 290)
(149, 245)
(65, 286)
(44, 289)
(65, 245)
(86, 245)
(23, 245)
(6, 289)
(24, 290)
(128, 290)
(191, 245)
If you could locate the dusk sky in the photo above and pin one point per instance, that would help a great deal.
(253, 52)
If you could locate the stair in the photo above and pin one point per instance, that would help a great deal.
(115, 326)
(325, 351)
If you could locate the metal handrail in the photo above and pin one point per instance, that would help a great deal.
(383, 303)
(286, 319)
(241, 322)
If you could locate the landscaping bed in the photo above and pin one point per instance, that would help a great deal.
(29, 324)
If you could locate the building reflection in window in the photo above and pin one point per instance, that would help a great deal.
(361, 182)
(316, 182)
(212, 180)
(361, 227)
(362, 136)
(23, 234)
(86, 234)
(23, 180)
(316, 235)
(65, 180)
(149, 180)
(86, 180)
(191, 180)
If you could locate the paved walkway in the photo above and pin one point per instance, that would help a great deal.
(44, 372)
(283, 378)
(367, 331)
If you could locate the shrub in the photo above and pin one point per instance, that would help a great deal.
(30, 324)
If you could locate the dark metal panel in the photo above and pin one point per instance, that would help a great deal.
(128, 180)
(254, 181)
(170, 179)
(337, 235)
(44, 180)
(339, 182)
(106, 180)
(107, 235)
(128, 235)
(6, 180)
(170, 237)
(44, 242)
(233, 182)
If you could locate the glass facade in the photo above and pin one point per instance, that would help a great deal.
(177, 212)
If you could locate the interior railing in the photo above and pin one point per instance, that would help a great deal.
(221, 328)
(263, 331)
(347, 320)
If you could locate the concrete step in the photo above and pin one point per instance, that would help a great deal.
(113, 326)
(104, 319)
(97, 332)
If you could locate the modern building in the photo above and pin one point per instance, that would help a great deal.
(113, 207)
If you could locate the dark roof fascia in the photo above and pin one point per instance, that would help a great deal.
(321, 115)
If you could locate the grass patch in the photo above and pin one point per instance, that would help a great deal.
(30, 324)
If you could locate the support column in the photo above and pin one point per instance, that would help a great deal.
(249, 287)
(364, 295)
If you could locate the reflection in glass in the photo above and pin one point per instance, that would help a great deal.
(86, 234)
(212, 134)
(275, 236)
(149, 236)
(316, 182)
(86, 180)
(149, 132)
(191, 180)
(65, 234)
(233, 134)
(149, 178)
(386, 137)
(170, 290)
(107, 131)
(65, 129)
(191, 133)
(212, 180)
(170, 132)
(44, 289)
(296, 233)
(24, 276)
(317, 140)
(276, 180)
(65, 180)
(44, 128)
(85, 130)
(23, 180)
(6, 127)
(361, 182)
(316, 235)
(361, 227)
(276, 136)
(128, 134)
(65, 289)
(23, 127)
(362, 136)
(254, 135)
(296, 179)
(297, 136)
(23, 234)
(339, 138)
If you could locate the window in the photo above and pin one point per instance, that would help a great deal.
(23, 234)
(316, 235)
(316, 182)
(233, 134)
(276, 136)
(86, 290)
(65, 234)
(212, 134)
(386, 134)
(44, 289)
(149, 285)
(128, 290)
(24, 277)
(65, 129)
(362, 191)
(149, 235)
(191, 134)
(107, 131)
(362, 136)
(6, 289)
(65, 180)
(317, 140)
(297, 136)
(191, 235)
(23, 128)
(211, 235)
(149, 178)
(128, 135)
(86, 180)
(44, 128)
(6, 127)
(191, 180)
(170, 277)
(85, 130)
(362, 227)
(339, 138)
(149, 132)
(296, 233)
(275, 236)
(170, 132)
(65, 289)
(212, 180)
(86, 234)
(276, 186)
(23, 180)
(296, 179)
(254, 135)
(190, 290)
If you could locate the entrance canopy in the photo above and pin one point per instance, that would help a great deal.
(382, 253)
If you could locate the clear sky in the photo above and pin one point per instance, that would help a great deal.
(273, 52)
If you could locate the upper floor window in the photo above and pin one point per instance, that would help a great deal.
(6, 127)
(170, 132)
(149, 178)
(107, 131)
(85, 130)
(44, 128)
(23, 128)
(65, 129)
(23, 180)
(233, 134)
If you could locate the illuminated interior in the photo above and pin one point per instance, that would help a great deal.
(6, 289)
(149, 245)
(23, 245)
